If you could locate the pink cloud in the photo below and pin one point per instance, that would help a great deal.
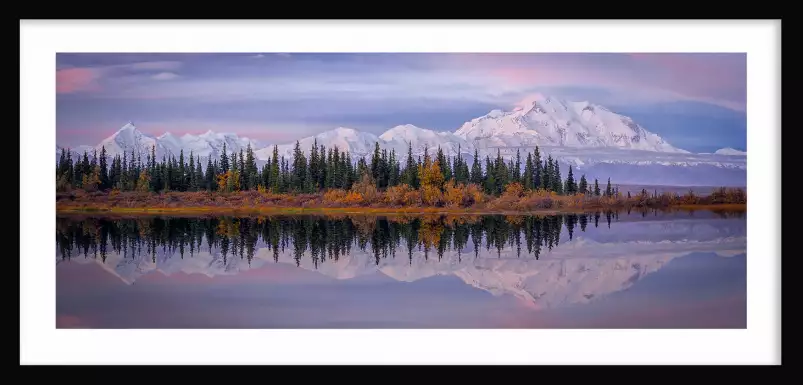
(74, 80)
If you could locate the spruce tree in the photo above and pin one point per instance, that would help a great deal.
(251, 168)
(557, 182)
(527, 180)
(323, 168)
(199, 174)
(376, 164)
(596, 187)
(224, 160)
(476, 170)
(193, 185)
(583, 187)
(608, 190)
(275, 182)
(490, 177)
(242, 177)
(546, 175)
(210, 175)
(410, 171)
(182, 172)
(104, 169)
(537, 168)
(571, 187)
(314, 164)
(394, 176)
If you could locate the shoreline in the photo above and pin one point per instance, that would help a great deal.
(67, 210)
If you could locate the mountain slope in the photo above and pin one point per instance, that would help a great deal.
(729, 151)
(546, 121)
(345, 139)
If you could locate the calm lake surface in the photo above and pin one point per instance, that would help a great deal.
(603, 270)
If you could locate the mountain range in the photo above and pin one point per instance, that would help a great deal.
(589, 137)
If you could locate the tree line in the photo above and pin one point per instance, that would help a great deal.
(321, 169)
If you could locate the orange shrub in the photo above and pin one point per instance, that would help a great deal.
(431, 196)
(475, 194)
(455, 195)
(335, 197)
(395, 195)
(514, 190)
(412, 198)
(366, 188)
(354, 198)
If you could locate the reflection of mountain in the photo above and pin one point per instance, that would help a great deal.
(592, 264)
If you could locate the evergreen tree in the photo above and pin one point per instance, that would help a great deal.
(241, 176)
(348, 170)
(299, 168)
(323, 168)
(546, 175)
(275, 180)
(210, 175)
(476, 170)
(251, 168)
(537, 168)
(345, 173)
(528, 181)
(362, 168)
(376, 165)
(166, 182)
(517, 167)
(314, 164)
(224, 160)
(443, 163)
(608, 191)
(571, 185)
(85, 168)
(490, 177)
(583, 187)
(394, 176)
(596, 187)
(410, 169)
(104, 169)
(199, 174)
(557, 181)
(501, 173)
(331, 168)
(193, 185)
(182, 172)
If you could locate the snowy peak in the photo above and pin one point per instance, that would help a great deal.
(729, 151)
(345, 139)
(401, 137)
(209, 144)
(547, 121)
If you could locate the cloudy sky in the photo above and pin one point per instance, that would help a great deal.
(696, 101)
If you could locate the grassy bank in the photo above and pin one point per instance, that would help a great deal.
(453, 200)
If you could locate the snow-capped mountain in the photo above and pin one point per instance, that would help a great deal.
(129, 138)
(729, 151)
(592, 139)
(401, 137)
(546, 121)
(345, 139)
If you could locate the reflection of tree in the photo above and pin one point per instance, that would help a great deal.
(323, 239)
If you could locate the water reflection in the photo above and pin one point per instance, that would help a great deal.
(546, 261)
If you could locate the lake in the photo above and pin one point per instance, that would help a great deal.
(597, 270)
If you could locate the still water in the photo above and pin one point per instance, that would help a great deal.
(598, 270)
